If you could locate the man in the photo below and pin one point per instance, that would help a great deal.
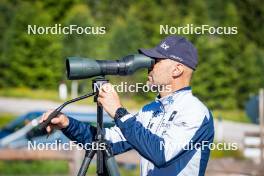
(165, 131)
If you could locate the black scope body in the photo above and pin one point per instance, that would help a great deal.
(81, 68)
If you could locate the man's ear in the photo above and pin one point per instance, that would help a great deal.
(178, 70)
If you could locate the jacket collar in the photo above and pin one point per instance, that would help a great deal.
(169, 99)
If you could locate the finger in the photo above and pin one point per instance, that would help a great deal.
(43, 118)
(100, 104)
(101, 93)
(102, 89)
(53, 127)
(100, 100)
(46, 115)
(56, 120)
(108, 88)
(48, 129)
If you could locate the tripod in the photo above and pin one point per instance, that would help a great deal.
(106, 164)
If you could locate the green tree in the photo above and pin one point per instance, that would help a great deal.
(30, 60)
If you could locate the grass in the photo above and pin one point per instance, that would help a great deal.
(33, 167)
(6, 118)
(232, 115)
(22, 92)
(122, 170)
(237, 154)
(50, 167)
(61, 167)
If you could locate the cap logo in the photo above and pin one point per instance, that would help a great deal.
(164, 46)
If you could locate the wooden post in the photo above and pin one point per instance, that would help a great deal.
(261, 122)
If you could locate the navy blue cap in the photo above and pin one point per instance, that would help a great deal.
(176, 48)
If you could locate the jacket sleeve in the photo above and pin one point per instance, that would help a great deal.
(85, 134)
(79, 132)
(162, 150)
(117, 141)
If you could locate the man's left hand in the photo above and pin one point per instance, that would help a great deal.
(109, 99)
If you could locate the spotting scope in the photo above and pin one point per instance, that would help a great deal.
(81, 68)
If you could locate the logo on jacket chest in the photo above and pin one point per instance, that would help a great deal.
(172, 115)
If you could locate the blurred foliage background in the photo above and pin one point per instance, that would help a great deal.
(231, 67)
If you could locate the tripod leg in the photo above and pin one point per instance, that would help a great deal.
(100, 163)
(110, 162)
(112, 167)
(86, 162)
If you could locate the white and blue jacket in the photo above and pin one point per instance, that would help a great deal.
(167, 133)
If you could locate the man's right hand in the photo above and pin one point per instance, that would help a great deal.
(58, 122)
